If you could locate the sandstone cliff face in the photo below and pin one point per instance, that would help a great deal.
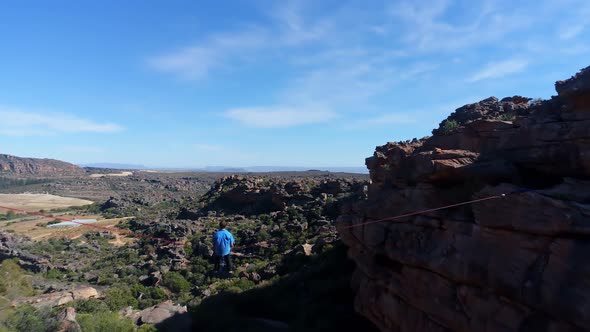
(517, 263)
(36, 167)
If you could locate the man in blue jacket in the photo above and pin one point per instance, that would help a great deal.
(223, 241)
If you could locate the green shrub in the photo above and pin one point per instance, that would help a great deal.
(146, 328)
(176, 282)
(9, 215)
(262, 236)
(265, 219)
(507, 117)
(28, 319)
(118, 298)
(90, 306)
(104, 322)
(149, 295)
(53, 274)
(449, 127)
(14, 282)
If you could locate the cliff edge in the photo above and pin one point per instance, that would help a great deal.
(516, 263)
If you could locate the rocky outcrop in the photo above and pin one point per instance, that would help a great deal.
(12, 246)
(513, 263)
(59, 298)
(37, 167)
(66, 321)
(257, 195)
(166, 316)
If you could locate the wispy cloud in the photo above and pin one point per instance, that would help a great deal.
(571, 31)
(500, 69)
(290, 29)
(425, 26)
(279, 116)
(294, 28)
(17, 122)
(195, 62)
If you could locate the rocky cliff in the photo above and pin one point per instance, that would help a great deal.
(10, 165)
(513, 263)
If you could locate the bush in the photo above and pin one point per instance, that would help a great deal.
(149, 295)
(449, 127)
(53, 274)
(105, 322)
(28, 319)
(507, 116)
(147, 328)
(14, 282)
(90, 306)
(262, 236)
(176, 282)
(9, 215)
(118, 298)
(265, 219)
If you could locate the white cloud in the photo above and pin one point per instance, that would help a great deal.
(190, 63)
(294, 28)
(16, 122)
(279, 116)
(500, 69)
(571, 31)
(197, 61)
(425, 28)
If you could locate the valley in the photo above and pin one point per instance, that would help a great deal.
(283, 224)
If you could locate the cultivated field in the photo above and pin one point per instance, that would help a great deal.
(36, 202)
(35, 227)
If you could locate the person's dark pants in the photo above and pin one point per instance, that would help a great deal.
(227, 262)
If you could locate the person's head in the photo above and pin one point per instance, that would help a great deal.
(222, 224)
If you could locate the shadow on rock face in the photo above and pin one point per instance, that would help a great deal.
(178, 323)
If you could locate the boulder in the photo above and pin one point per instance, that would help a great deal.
(66, 321)
(59, 298)
(159, 313)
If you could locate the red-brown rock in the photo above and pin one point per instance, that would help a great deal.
(514, 262)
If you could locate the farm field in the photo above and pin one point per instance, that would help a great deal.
(36, 202)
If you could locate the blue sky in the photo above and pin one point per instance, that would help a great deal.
(242, 83)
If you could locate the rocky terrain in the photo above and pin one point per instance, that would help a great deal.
(284, 224)
(513, 263)
(11, 165)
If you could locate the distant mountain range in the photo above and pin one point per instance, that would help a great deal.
(253, 169)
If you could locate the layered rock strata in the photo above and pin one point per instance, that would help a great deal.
(516, 263)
